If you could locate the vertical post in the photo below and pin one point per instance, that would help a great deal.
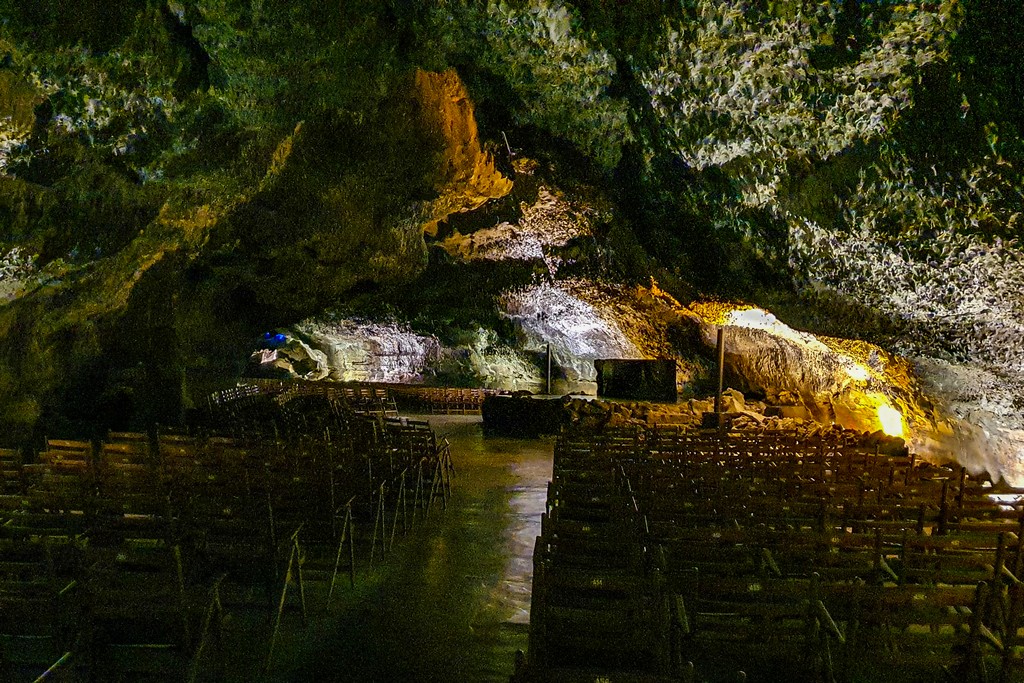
(721, 369)
(549, 371)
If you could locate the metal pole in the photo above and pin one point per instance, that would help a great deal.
(721, 368)
(507, 146)
(549, 370)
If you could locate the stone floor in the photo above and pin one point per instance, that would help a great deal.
(451, 603)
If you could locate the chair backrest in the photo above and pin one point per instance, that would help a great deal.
(11, 480)
(67, 455)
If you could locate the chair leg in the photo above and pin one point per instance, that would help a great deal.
(399, 503)
(435, 487)
(293, 560)
(352, 553)
(418, 502)
(405, 498)
(302, 586)
(390, 541)
(378, 524)
(346, 532)
(212, 621)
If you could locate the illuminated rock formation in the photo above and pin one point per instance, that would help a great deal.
(468, 174)
(550, 222)
(18, 100)
(176, 178)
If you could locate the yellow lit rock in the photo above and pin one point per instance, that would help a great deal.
(892, 421)
(859, 383)
(17, 105)
(858, 372)
(470, 176)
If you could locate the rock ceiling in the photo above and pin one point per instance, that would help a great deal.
(480, 180)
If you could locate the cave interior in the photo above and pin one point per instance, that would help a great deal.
(532, 340)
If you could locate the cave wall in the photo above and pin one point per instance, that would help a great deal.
(853, 166)
(469, 175)
(160, 208)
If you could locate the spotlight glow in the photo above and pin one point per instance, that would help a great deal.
(857, 371)
(892, 421)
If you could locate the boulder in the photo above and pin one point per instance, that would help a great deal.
(732, 401)
(792, 412)
(698, 406)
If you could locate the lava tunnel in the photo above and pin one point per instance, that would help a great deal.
(535, 340)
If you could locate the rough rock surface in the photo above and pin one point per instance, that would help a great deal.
(469, 176)
(986, 431)
(367, 352)
(362, 351)
(133, 337)
(18, 100)
(188, 174)
(548, 223)
(578, 332)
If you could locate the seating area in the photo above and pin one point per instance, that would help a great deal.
(442, 400)
(670, 554)
(362, 399)
(134, 557)
(664, 554)
(373, 397)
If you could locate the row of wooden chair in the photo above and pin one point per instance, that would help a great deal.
(441, 400)
(599, 610)
(140, 545)
(264, 408)
(362, 397)
(791, 557)
(109, 580)
(445, 400)
(152, 570)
